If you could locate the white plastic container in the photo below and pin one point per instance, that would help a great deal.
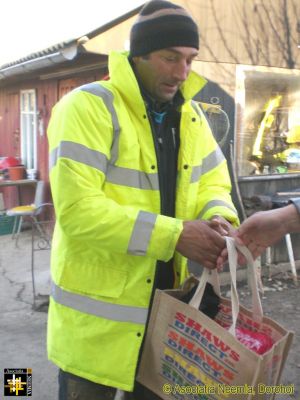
(31, 173)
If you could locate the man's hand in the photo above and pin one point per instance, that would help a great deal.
(200, 242)
(222, 226)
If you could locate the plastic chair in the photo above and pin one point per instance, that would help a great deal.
(31, 210)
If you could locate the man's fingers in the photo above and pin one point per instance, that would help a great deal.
(220, 264)
(201, 243)
(224, 253)
(210, 265)
(219, 226)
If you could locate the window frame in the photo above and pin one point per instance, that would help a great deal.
(28, 134)
(240, 140)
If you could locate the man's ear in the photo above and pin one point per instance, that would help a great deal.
(136, 60)
(139, 59)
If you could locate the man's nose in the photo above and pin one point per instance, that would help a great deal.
(181, 71)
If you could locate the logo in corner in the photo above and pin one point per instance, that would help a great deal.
(18, 382)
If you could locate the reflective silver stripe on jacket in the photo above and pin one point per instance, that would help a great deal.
(196, 173)
(132, 178)
(80, 153)
(212, 160)
(208, 163)
(215, 203)
(108, 99)
(141, 233)
(84, 304)
(96, 159)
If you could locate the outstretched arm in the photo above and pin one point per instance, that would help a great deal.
(265, 228)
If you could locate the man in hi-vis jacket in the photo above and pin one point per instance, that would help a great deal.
(136, 176)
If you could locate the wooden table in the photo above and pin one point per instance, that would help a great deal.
(18, 184)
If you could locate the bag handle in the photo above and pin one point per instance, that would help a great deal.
(232, 246)
(257, 311)
(210, 276)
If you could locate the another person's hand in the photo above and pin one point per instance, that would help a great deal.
(265, 228)
(200, 242)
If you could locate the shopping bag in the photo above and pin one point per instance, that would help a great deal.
(187, 355)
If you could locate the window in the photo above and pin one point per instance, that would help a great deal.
(28, 129)
(268, 121)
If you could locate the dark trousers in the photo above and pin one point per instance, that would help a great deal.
(72, 387)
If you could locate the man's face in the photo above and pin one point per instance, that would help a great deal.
(163, 71)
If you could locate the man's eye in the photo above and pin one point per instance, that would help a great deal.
(170, 59)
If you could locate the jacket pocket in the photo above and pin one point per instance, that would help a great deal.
(92, 280)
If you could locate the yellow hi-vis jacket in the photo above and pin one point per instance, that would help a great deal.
(109, 233)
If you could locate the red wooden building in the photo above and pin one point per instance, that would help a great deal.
(30, 87)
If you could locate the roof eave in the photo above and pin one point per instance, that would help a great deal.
(67, 53)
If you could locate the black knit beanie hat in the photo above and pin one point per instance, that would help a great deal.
(162, 24)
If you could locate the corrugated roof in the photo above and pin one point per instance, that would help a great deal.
(50, 50)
